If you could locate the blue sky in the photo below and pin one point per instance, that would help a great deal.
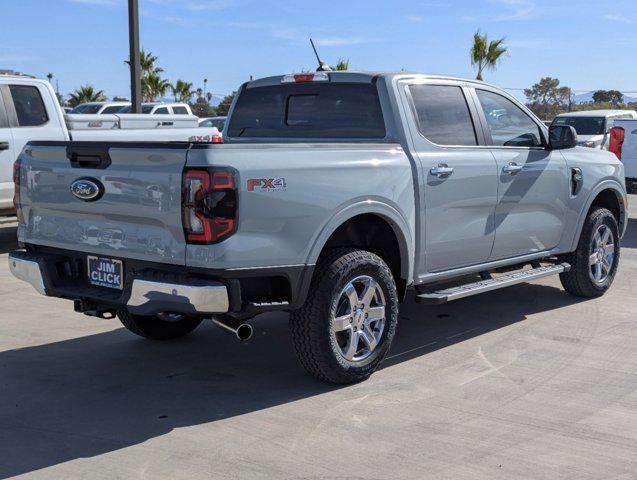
(587, 44)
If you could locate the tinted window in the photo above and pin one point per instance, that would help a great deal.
(147, 108)
(583, 125)
(112, 109)
(219, 124)
(508, 124)
(308, 110)
(443, 115)
(28, 105)
(180, 110)
(161, 111)
(86, 108)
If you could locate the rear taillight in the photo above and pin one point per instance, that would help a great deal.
(17, 173)
(616, 141)
(209, 205)
(217, 139)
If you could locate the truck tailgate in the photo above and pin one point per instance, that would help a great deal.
(137, 211)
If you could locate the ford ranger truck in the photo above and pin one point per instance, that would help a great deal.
(335, 196)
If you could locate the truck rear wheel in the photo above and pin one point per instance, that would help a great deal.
(345, 328)
(594, 263)
(154, 328)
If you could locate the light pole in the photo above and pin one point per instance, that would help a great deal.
(133, 39)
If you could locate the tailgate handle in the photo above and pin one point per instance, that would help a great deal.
(88, 156)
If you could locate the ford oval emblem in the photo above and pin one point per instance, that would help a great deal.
(87, 189)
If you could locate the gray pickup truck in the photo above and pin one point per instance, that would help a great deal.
(335, 195)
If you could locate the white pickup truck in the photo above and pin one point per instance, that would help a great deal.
(29, 111)
(623, 143)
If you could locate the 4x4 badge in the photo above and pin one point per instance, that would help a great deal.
(267, 184)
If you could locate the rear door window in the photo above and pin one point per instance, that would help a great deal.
(180, 110)
(161, 111)
(309, 110)
(443, 114)
(29, 105)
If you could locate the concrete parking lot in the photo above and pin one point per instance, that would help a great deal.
(526, 382)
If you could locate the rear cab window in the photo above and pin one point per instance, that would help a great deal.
(29, 106)
(309, 110)
(443, 115)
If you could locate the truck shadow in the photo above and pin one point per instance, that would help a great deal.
(8, 238)
(100, 393)
(630, 239)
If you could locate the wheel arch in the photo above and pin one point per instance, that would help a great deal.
(349, 228)
(610, 195)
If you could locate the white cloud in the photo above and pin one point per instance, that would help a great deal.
(107, 3)
(527, 44)
(516, 10)
(179, 21)
(195, 5)
(618, 18)
(322, 37)
(340, 41)
(415, 18)
(208, 5)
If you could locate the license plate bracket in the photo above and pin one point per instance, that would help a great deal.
(105, 272)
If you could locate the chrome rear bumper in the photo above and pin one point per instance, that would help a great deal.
(27, 271)
(143, 297)
(179, 298)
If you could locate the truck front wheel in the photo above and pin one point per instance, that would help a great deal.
(594, 263)
(155, 328)
(345, 328)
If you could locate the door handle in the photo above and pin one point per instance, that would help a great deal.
(4, 145)
(441, 171)
(512, 168)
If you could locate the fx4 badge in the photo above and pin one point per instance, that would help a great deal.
(267, 184)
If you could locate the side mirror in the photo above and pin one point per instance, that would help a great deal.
(562, 137)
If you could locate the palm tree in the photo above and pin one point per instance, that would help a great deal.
(86, 94)
(485, 54)
(182, 91)
(154, 86)
(342, 64)
(49, 76)
(147, 62)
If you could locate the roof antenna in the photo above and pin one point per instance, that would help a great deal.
(323, 67)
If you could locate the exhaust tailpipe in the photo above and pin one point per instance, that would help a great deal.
(243, 331)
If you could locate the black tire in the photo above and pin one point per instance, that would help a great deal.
(579, 280)
(155, 328)
(315, 345)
